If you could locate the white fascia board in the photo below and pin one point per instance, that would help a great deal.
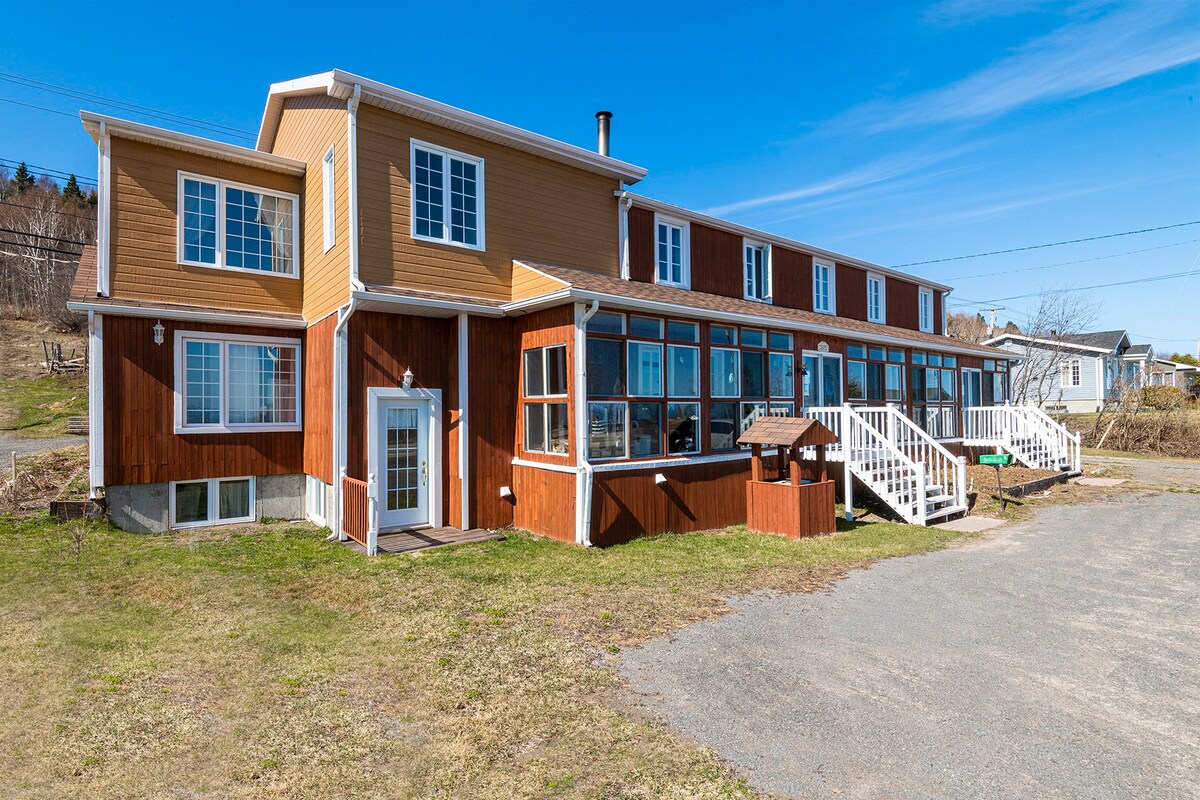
(782, 241)
(449, 307)
(151, 134)
(1047, 342)
(338, 83)
(216, 317)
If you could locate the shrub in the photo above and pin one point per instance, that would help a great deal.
(1162, 396)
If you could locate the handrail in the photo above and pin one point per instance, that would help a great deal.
(942, 467)
(1025, 431)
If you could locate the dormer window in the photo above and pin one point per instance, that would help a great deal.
(925, 307)
(232, 226)
(823, 287)
(671, 252)
(757, 271)
(875, 298)
(447, 196)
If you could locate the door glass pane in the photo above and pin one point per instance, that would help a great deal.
(233, 499)
(810, 380)
(831, 381)
(191, 502)
(403, 456)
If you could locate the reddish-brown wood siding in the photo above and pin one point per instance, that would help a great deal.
(493, 418)
(544, 502)
(641, 245)
(902, 305)
(542, 328)
(851, 292)
(938, 299)
(318, 399)
(791, 278)
(140, 443)
(716, 262)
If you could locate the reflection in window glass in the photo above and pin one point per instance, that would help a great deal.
(606, 322)
(786, 409)
(645, 430)
(683, 428)
(783, 382)
(191, 502)
(754, 382)
(535, 427)
(781, 341)
(535, 378)
(556, 370)
(556, 428)
(683, 371)
(722, 335)
(645, 327)
(753, 338)
(199, 221)
(606, 430)
(723, 427)
(645, 369)
(895, 383)
(750, 412)
(683, 331)
(262, 384)
(605, 367)
(724, 372)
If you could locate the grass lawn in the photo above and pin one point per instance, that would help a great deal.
(263, 662)
(39, 407)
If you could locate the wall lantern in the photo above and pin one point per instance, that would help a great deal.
(408, 378)
(158, 332)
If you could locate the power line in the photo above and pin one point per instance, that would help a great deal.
(1151, 279)
(45, 210)
(39, 108)
(54, 173)
(38, 247)
(1069, 263)
(1049, 244)
(43, 236)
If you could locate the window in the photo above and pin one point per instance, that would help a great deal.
(757, 268)
(781, 341)
(722, 335)
(925, 307)
(314, 495)
(871, 375)
(995, 381)
(671, 237)
(236, 383)
(605, 367)
(546, 371)
(606, 322)
(934, 392)
(753, 338)
(683, 371)
(823, 287)
(723, 428)
(645, 369)
(211, 502)
(645, 430)
(606, 430)
(683, 331)
(783, 381)
(447, 196)
(683, 428)
(328, 190)
(754, 378)
(546, 428)
(724, 372)
(1071, 372)
(646, 327)
(231, 226)
(875, 298)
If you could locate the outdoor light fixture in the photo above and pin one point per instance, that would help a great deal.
(158, 332)
(659, 479)
(408, 378)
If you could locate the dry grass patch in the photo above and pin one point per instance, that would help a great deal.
(263, 662)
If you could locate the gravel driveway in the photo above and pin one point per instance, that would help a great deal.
(1057, 658)
(29, 447)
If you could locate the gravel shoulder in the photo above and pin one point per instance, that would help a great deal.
(31, 447)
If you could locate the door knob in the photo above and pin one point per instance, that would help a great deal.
(425, 473)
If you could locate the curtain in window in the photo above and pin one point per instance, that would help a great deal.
(275, 214)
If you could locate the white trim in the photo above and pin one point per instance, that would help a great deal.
(464, 420)
(337, 83)
(768, 271)
(832, 273)
(315, 488)
(328, 200)
(584, 477)
(480, 208)
(231, 317)
(623, 204)
(352, 223)
(685, 255)
(546, 465)
(378, 394)
(95, 404)
(922, 293)
(225, 427)
(881, 317)
(1050, 342)
(222, 185)
(104, 213)
(652, 463)
(451, 307)
(340, 393)
(150, 134)
(214, 496)
(629, 343)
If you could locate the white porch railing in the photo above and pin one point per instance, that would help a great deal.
(942, 468)
(1036, 440)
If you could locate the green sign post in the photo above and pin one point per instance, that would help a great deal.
(997, 460)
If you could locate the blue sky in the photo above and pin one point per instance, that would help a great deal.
(894, 132)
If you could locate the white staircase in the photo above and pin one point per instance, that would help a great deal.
(1033, 438)
(901, 464)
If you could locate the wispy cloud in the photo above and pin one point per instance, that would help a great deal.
(1079, 58)
(951, 13)
(876, 172)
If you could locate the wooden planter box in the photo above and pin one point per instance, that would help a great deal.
(794, 511)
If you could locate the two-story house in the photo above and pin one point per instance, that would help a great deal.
(393, 313)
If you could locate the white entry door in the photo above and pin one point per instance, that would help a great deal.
(822, 381)
(403, 474)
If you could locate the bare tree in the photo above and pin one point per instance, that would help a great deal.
(1059, 313)
(968, 327)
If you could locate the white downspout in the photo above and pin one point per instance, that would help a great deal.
(103, 211)
(95, 404)
(464, 419)
(624, 201)
(352, 181)
(585, 473)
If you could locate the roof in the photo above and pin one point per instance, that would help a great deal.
(787, 432)
(1102, 341)
(188, 143)
(667, 300)
(1138, 350)
(342, 85)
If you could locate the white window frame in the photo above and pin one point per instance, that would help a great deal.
(221, 186)
(328, 197)
(925, 312)
(667, 377)
(625, 438)
(445, 152)
(765, 247)
(629, 368)
(545, 451)
(225, 427)
(1071, 375)
(880, 315)
(315, 500)
(832, 274)
(685, 264)
(544, 351)
(214, 497)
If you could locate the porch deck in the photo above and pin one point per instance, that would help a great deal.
(428, 538)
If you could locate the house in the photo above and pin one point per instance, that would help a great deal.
(1165, 372)
(1076, 373)
(394, 313)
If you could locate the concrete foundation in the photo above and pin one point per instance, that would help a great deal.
(145, 507)
(279, 496)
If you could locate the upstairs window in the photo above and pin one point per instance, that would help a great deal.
(875, 298)
(236, 383)
(757, 269)
(327, 197)
(232, 226)
(671, 252)
(447, 196)
(925, 306)
(823, 287)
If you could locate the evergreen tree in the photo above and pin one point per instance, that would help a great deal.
(72, 193)
(1011, 327)
(22, 179)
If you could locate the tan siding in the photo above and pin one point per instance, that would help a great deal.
(534, 208)
(144, 247)
(528, 283)
(307, 127)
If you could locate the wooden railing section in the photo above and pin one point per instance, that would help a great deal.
(356, 510)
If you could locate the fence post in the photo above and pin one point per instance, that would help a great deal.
(372, 515)
(14, 478)
(960, 479)
(847, 449)
(341, 509)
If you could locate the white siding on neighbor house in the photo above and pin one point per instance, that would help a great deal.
(1075, 398)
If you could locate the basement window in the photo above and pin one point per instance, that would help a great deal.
(215, 501)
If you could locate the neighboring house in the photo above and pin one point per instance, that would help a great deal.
(1078, 372)
(1165, 372)
(394, 313)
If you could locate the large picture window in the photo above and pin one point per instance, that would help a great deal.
(447, 196)
(231, 383)
(232, 226)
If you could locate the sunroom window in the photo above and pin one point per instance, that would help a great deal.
(231, 226)
(236, 383)
(447, 196)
